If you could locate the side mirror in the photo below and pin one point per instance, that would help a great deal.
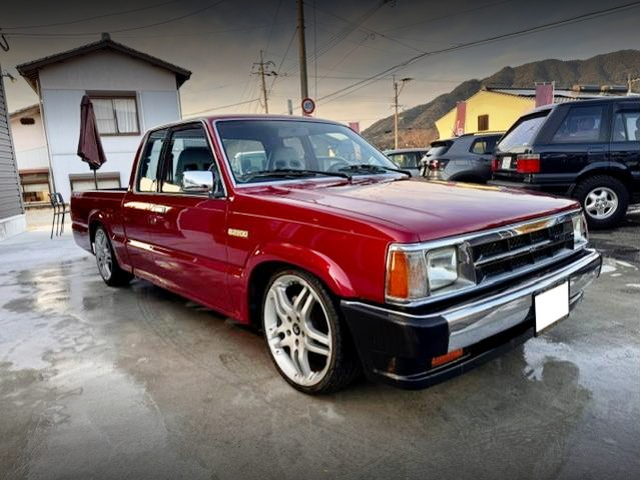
(198, 181)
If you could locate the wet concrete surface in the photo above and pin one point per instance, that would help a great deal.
(105, 383)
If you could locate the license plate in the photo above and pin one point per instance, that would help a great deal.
(551, 306)
(506, 163)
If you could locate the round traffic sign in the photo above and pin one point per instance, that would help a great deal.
(308, 106)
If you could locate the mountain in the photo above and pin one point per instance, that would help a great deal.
(417, 123)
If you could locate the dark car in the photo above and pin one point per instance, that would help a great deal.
(466, 158)
(587, 149)
(407, 158)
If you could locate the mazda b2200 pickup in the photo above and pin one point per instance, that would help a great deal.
(299, 227)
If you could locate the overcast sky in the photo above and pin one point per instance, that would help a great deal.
(347, 42)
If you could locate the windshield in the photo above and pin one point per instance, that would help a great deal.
(266, 150)
(523, 132)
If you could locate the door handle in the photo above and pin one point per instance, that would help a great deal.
(161, 209)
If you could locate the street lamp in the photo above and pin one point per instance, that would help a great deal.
(397, 88)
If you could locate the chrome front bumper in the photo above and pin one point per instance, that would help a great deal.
(387, 338)
(471, 323)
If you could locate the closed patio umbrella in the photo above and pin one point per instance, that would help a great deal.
(89, 146)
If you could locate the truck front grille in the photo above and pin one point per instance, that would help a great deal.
(512, 250)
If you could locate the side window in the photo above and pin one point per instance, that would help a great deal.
(479, 146)
(484, 146)
(582, 124)
(188, 150)
(149, 162)
(626, 126)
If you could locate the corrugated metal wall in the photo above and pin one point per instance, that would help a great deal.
(10, 198)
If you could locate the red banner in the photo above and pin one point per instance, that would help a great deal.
(355, 126)
(461, 114)
(544, 94)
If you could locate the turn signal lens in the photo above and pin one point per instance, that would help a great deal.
(397, 282)
(580, 233)
(406, 275)
(446, 358)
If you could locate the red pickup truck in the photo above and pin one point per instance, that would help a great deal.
(299, 227)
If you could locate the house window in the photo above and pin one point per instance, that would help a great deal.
(117, 114)
(35, 185)
(483, 123)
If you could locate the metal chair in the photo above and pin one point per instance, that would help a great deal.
(59, 210)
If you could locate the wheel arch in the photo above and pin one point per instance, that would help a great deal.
(315, 263)
(617, 172)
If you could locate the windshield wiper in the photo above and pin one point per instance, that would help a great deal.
(292, 173)
(368, 168)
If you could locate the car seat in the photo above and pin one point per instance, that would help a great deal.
(285, 158)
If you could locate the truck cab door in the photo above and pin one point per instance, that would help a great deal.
(189, 229)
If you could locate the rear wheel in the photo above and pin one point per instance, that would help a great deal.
(604, 200)
(108, 267)
(307, 341)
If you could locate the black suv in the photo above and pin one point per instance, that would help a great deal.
(586, 149)
(466, 158)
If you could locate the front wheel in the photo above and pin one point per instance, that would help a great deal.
(604, 200)
(110, 271)
(307, 341)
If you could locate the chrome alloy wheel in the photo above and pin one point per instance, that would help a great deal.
(103, 254)
(601, 203)
(297, 330)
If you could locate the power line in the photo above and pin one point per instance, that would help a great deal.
(164, 22)
(273, 26)
(469, 10)
(86, 19)
(363, 83)
(221, 107)
(293, 36)
(176, 35)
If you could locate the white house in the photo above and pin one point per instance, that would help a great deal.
(31, 152)
(131, 92)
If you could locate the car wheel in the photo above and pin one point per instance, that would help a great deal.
(604, 200)
(307, 341)
(108, 266)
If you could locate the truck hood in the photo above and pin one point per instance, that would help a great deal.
(420, 210)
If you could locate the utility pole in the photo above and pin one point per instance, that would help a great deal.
(304, 89)
(397, 88)
(262, 71)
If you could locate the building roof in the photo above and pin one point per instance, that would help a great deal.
(560, 95)
(30, 110)
(31, 70)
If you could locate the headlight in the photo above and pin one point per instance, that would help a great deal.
(580, 233)
(442, 267)
(415, 273)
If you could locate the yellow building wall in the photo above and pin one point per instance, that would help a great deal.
(503, 110)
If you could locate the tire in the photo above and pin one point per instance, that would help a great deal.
(108, 267)
(306, 339)
(604, 200)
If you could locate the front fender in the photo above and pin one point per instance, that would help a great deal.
(317, 263)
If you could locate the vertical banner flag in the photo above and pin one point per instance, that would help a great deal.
(461, 114)
(544, 94)
(355, 126)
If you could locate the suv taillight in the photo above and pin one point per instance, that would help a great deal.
(437, 164)
(495, 164)
(528, 163)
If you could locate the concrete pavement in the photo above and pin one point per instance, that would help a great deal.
(97, 382)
